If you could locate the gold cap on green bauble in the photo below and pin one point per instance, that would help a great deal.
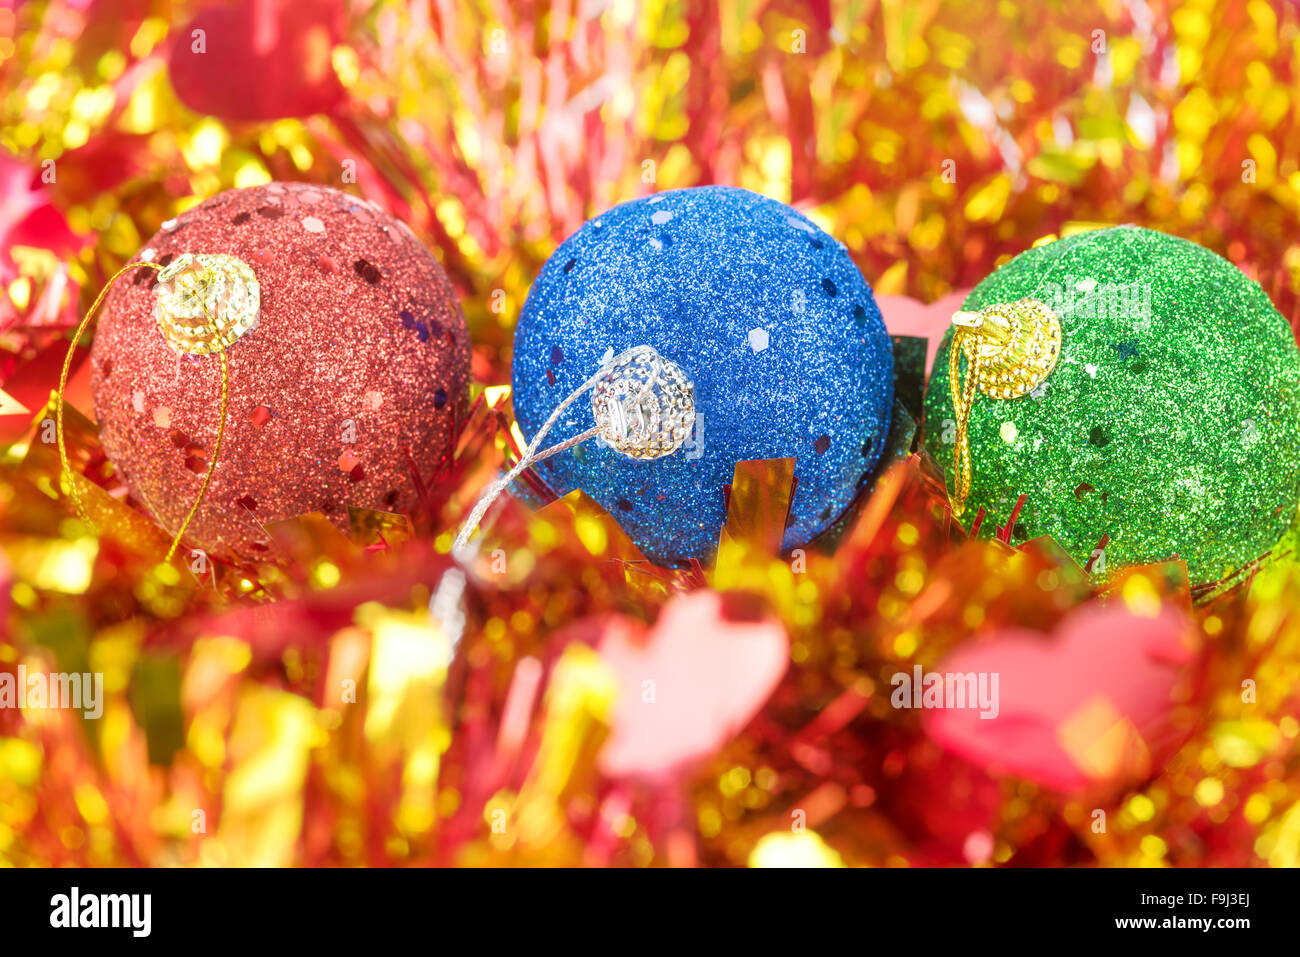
(1142, 393)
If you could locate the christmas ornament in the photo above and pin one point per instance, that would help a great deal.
(277, 350)
(1130, 394)
(760, 338)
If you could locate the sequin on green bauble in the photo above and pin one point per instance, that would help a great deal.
(1169, 426)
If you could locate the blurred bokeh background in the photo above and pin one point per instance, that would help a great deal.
(935, 138)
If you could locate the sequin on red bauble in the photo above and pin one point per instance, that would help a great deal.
(366, 363)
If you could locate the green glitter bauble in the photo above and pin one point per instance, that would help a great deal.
(1170, 424)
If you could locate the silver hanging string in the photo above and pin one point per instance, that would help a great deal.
(628, 415)
(643, 407)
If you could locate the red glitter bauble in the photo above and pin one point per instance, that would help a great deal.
(349, 384)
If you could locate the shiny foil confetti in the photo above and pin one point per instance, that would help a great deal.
(1170, 427)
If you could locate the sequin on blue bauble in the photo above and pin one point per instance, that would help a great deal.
(768, 317)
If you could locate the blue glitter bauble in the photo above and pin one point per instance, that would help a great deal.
(768, 317)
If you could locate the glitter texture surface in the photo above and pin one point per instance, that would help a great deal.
(768, 317)
(359, 359)
(1171, 425)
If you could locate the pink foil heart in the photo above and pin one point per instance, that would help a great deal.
(907, 317)
(689, 685)
(1089, 707)
(259, 60)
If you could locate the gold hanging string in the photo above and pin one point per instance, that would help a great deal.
(70, 477)
(66, 470)
(963, 398)
(1010, 348)
(216, 450)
